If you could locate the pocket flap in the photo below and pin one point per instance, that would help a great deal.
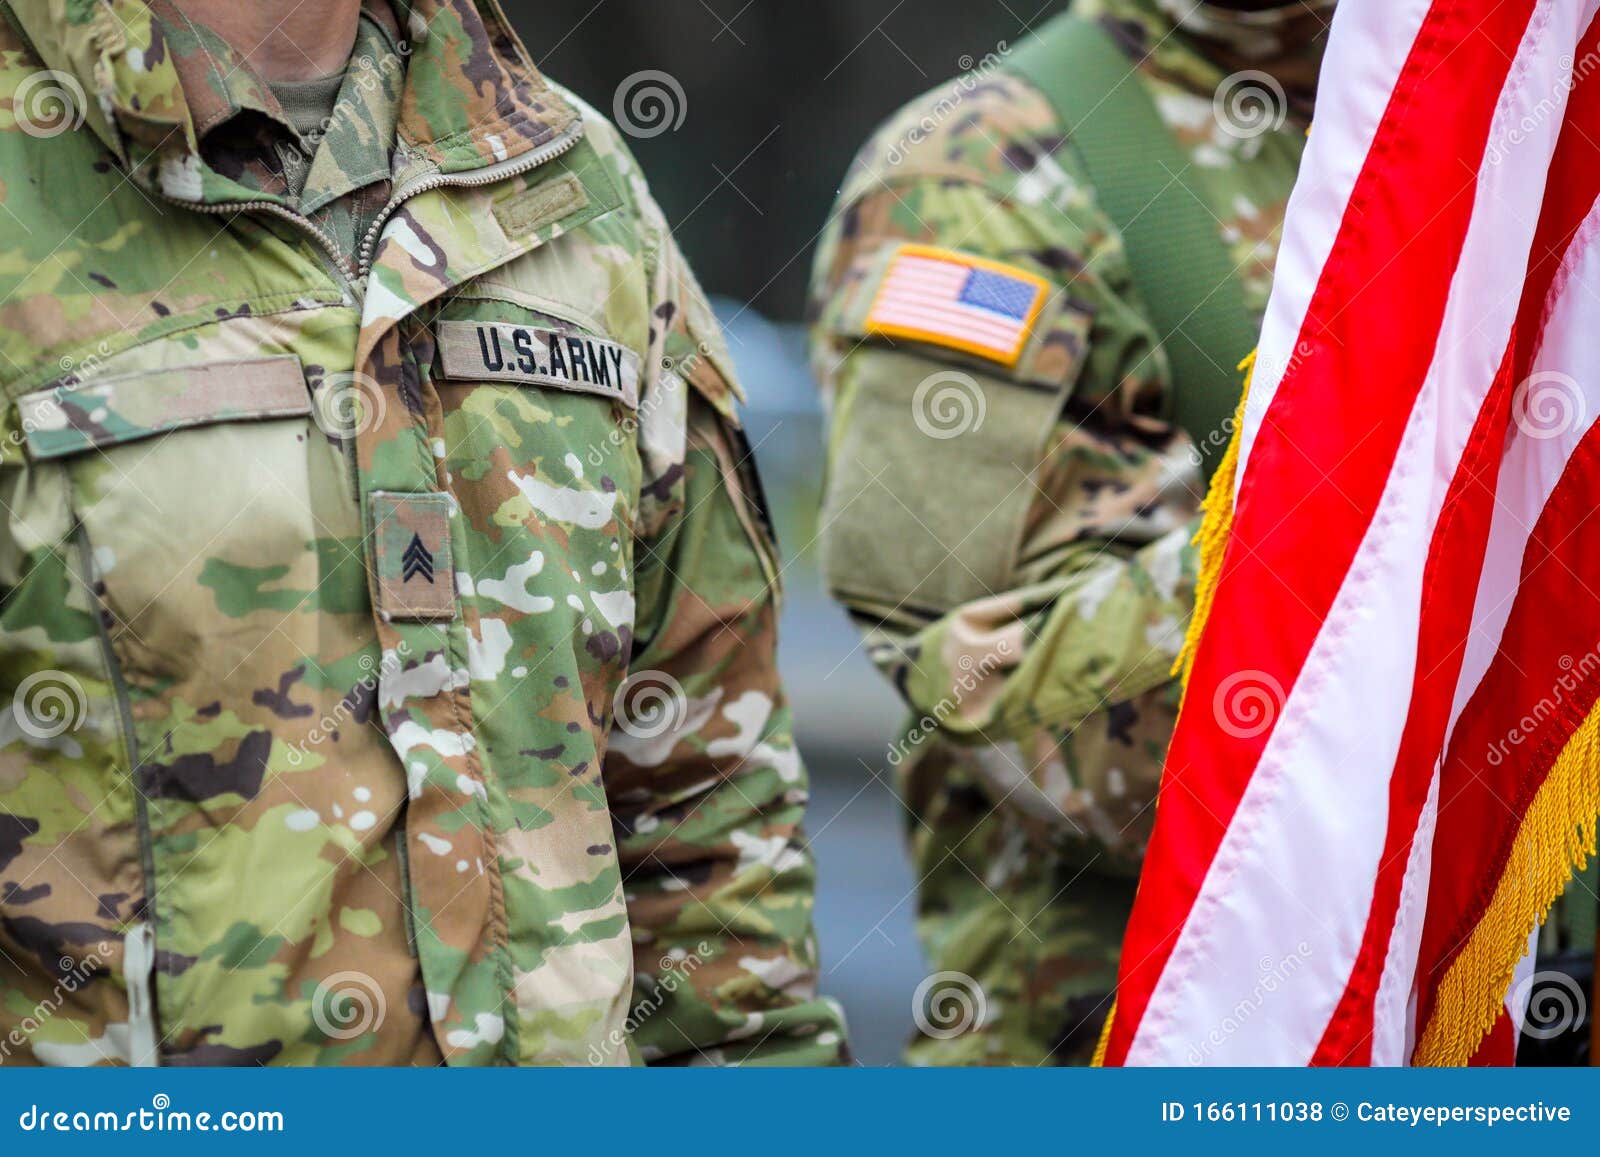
(71, 419)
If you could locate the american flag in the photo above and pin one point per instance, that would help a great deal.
(1386, 763)
(954, 299)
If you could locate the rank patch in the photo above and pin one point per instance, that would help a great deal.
(947, 298)
(412, 556)
(530, 355)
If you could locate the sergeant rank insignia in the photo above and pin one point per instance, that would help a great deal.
(411, 555)
(946, 298)
(417, 561)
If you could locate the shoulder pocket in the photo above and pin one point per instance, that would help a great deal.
(933, 446)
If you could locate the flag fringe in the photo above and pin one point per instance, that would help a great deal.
(1098, 1061)
(1212, 537)
(1555, 841)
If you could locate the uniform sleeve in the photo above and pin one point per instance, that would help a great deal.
(706, 785)
(1013, 541)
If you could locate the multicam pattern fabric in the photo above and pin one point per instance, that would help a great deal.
(1032, 575)
(427, 718)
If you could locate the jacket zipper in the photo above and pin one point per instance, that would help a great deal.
(351, 279)
(484, 176)
(139, 940)
(346, 276)
(139, 966)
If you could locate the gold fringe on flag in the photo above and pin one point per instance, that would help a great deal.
(1212, 539)
(1556, 839)
(1098, 1061)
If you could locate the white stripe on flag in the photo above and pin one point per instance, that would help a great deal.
(1367, 48)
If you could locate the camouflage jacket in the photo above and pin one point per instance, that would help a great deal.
(388, 635)
(1013, 534)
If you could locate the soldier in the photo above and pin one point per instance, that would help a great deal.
(388, 613)
(1029, 306)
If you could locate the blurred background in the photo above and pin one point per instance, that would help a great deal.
(762, 105)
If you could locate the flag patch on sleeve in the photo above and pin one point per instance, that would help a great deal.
(946, 298)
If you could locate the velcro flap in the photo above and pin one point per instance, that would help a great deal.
(535, 356)
(415, 579)
(531, 209)
(70, 419)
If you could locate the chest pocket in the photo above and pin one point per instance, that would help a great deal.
(214, 509)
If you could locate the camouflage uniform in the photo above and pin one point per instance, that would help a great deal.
(388, 613)
(1014, 540)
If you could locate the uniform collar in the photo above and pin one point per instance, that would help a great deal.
(471, 97)
(1199, 44)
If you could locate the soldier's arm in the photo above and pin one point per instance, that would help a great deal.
(705, 783)
(1014, 540)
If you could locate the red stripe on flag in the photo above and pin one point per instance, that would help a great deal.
(1488, 780)
(1325, 446)
(1458, 549)
(965, 315)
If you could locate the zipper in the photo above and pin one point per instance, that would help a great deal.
(484, 176)
(139, 940)
(348, 281)
(346, 276)
(350, 278)
(138, 968)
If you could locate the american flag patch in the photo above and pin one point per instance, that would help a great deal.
(946, 298)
